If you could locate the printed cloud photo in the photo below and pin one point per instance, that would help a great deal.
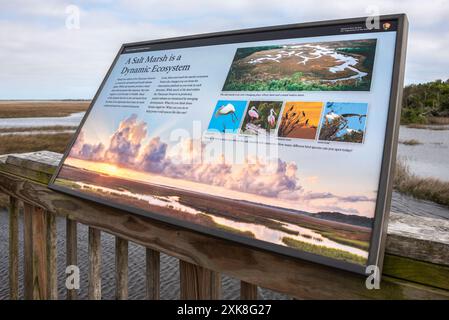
(320, 66)
(300, 120)
(261, 117)
(126, 159)
(344, 122)
(227, 116)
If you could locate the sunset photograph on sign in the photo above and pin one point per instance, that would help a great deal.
(130, 161)
(300, 120)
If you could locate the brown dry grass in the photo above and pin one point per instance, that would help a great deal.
(36, 142)
(43, 129)
(438, 120)
(422, 188)
(427, 126)
(411, 142)
(31, 109)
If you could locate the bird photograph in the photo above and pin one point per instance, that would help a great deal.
(344, 122)
(300, 120)
(262, 117)
(227, 109)
(227, 116)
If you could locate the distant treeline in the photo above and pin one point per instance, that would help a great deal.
(425, 102)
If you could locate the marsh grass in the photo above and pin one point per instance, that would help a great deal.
(34, 142)
(43, 129)
(421, 188)
(33, 109)
(324, 251)
(363, 245)
(438, 120)
(410, 142)
(427, 126)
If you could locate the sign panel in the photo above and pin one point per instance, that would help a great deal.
(280, 137)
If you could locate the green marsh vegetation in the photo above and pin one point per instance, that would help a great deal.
(421, 188)
(324, 251)
(292, 83)
(426, 103)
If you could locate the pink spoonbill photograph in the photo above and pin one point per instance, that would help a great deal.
(261, 117)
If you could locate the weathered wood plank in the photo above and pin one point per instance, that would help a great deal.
(94, 264)
(291, 276)
(198, 283)
(71, 252)
(13, 248)
(40, 271)
(37, 166)
(248, 291)
(35, 253)
(42, 161)
(52, 257)
(215, 289)
(27, 252)
(417, 271)
(121, 268)
(153, 270)
(25, 173)
(418, 238)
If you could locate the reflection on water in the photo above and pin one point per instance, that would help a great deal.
(260, 232)
(72, 120)
(430, 158)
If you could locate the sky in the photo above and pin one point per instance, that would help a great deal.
(227, 121)
(46, 54)
(343, 108)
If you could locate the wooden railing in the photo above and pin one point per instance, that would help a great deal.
(416, 264)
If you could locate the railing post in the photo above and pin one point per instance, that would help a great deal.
(27, 253)
(51, 257)
(198, 283)
(248, 291)
(94, 264)
(13, 248)
(35, 253)
(153, 268)
(71, 252)
(121, 268)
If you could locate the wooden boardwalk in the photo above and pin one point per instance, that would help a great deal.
(416, 264)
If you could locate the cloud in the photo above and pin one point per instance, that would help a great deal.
(124, 145)
(123, 148)
(153, 158)
(46, 60)
(356, 199)
(318, 195)
(126, 148)
(269, 179)
(87, 151)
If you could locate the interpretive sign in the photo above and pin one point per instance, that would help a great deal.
(281, 138)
